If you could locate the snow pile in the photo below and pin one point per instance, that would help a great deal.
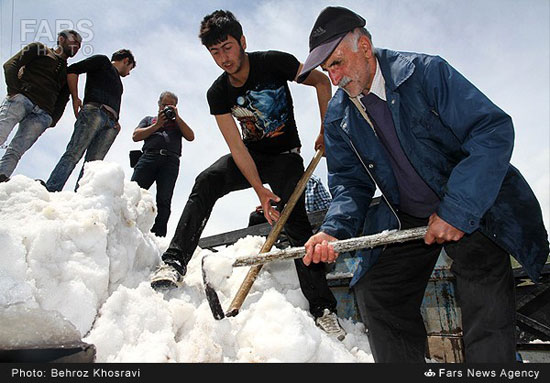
(24, 327)
(88, 256)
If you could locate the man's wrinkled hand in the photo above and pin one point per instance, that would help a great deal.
(319, 249)
(440, 231)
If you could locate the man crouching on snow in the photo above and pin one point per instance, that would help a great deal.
(254, 90)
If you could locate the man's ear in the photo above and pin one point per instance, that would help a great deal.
(243, 42)
(365, 45)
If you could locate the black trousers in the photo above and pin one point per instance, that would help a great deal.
(282, 172)
(164, 170)
(390, 294)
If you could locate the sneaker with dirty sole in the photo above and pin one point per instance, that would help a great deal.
(166, 277)
(329, 324)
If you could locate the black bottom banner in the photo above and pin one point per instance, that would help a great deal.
(148, 372)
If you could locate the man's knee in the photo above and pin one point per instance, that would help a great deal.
(208, 180)
(72, 156)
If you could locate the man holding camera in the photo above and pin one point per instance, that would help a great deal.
(97, 124)
(160, 160)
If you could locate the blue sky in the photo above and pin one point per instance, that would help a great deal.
(501, 46)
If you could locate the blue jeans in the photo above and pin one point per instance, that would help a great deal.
(94, 133)
(162, 169)
(33, 121)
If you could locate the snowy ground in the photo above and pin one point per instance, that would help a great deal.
(87, 257)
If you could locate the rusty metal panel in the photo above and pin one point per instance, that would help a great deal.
(442, 316)
(445, 349)
(345, 303)
(439, 308)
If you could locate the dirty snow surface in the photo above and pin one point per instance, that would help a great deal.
(77, 265)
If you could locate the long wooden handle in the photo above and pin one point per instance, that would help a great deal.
(273, 235)
(342, 246)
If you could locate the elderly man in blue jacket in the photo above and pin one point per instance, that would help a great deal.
(438, 150)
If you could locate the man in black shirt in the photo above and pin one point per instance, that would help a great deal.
(253, 90)
(97, 124)
(160, 161)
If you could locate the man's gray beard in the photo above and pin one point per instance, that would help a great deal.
(344, 81)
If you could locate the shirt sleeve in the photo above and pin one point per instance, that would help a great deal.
(487, 136)
(285, 64)
(217, 98)
(20, 59)
(145, 122)
(90, 64)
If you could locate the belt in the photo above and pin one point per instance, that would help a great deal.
(162, 152)
(293, 150)
(107, 109)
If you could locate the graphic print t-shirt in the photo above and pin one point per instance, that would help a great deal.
(263, 105)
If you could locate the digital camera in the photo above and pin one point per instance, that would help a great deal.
(169, 113)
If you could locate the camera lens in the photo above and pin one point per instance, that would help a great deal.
(169, 113)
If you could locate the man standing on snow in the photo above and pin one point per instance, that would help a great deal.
(36, 78)
(97, 124)
(160, 161)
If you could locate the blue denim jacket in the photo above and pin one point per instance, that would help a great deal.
(458, 141)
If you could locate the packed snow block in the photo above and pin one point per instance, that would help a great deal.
(68, 251)
(32, 334)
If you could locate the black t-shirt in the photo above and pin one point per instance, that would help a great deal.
(103, 84)
(168, 137)
(263, 105)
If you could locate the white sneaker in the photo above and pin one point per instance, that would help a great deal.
(329, 324)
(166, 277)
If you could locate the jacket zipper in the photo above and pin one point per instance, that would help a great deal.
(373, 180)
(357, 103)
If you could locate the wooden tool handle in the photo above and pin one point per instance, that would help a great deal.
(273, 235)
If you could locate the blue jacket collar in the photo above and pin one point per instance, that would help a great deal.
(395, 67)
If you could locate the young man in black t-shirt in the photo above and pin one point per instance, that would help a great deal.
(96, 124)
(160, 162)
(253, 90)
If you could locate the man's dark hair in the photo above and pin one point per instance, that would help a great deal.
(217, 26)
(122, 54)
(66, 32)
